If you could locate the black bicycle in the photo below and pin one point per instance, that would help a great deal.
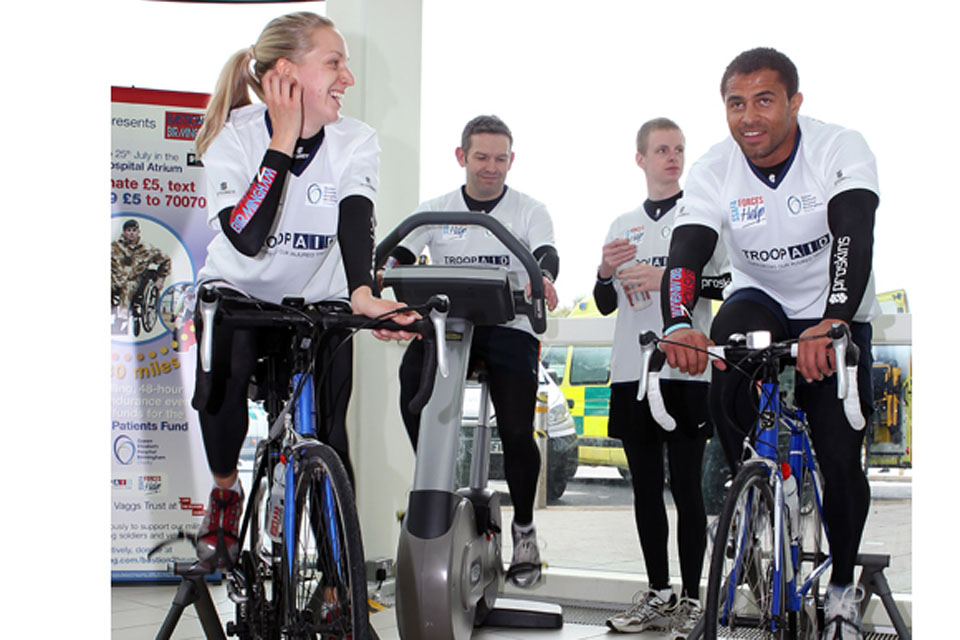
(300, 571)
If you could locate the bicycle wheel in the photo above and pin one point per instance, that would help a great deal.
(151, 305)
(740, 588)
(328, 590)
(258, 618)
(813, 550)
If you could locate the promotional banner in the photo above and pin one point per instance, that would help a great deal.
(160, 480)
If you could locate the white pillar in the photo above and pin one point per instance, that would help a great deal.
(384, 41)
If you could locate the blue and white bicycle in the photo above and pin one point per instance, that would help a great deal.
(769, 551)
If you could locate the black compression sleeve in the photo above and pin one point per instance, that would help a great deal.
(605, 295)
(248, 224)
(850, 215)
(690, 248)
(355, 235)
(549, 260)
(401, 255)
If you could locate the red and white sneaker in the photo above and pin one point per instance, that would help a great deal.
(217, 539)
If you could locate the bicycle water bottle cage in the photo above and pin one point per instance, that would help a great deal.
(481, 293)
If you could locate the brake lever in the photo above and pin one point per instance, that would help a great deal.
(209, 301)
(846, 356)
(647, 347)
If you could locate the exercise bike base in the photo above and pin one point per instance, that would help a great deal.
(524, 614)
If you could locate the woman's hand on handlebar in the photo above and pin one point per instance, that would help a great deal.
(692, 361)
(365, 303)
(815, 357)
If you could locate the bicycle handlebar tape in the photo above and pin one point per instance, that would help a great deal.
(657, 408)
(847, 355)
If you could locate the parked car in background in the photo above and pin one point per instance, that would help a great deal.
(561, 437)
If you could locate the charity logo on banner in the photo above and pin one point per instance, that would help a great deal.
(158, 240)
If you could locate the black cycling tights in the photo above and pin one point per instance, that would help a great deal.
(846, 499)
(223, 398)
(510, 358)
(685, 457)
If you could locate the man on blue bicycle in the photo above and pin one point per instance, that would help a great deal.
(794, 202)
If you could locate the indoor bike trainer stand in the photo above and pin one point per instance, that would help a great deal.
(873, 581)
(192, 591)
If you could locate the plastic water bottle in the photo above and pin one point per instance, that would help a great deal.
(791, 499)
(275, 503)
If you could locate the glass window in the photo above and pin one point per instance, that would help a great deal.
(590, 365)
(555, 362)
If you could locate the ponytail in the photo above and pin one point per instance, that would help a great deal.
(287, 36)
(231, 92)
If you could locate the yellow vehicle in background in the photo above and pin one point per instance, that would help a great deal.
(583, 374)
(582, 371)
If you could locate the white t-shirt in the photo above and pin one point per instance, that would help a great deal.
(652, 239)
(523, 216)
(301, 257)
(776, 235)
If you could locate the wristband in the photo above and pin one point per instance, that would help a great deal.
(672, 328)
(602, 281)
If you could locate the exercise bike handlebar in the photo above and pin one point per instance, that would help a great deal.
(536, 310)
(756, 347)
(248, 312)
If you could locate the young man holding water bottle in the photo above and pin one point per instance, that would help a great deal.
(628, 279)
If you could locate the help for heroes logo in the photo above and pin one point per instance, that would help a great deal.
(747, 212)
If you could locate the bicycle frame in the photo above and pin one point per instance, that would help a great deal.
(771, 415)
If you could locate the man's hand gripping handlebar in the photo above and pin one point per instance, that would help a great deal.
(754, 347)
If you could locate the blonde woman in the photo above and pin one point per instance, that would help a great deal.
(291, 188)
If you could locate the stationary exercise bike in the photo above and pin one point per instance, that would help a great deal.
(449, 568)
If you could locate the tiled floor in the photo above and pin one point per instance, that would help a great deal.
(139, 610)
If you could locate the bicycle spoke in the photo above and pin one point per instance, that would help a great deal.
(741, 583)
(329, 582)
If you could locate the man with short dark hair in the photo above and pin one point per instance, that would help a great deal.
(794, 201)
(510, 352)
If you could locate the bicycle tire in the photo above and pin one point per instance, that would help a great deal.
(151, 305)
(261, 613)
(812, 551)
(744, 540)
(328, 586)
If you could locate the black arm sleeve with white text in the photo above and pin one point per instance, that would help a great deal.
(248, 224)
(850, 216)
